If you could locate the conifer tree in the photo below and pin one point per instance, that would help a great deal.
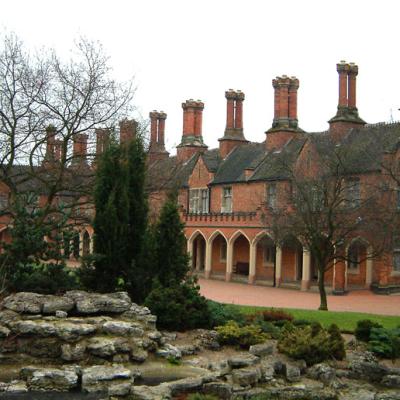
(171, 259)
(111, 222)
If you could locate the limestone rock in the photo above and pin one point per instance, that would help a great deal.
(392, 381)
(208, 339)
(51, 304)
(4, 331)
(29, 327)
(119, 389)
(242, 360)
(98, 378)
(70, 331)
(102, 347)
(246, 376)
(73, 352)
(267, 371)
(61, 314)
(160, 392)
(14, 387)
(293, 373)
(122, 328)
(169, 351)
(388, 395)
(188, 349)
(322, 372)
(52, 379)
(221, 390)
(24, 303)
(262, 349)
(155, 336)
(185, 385)
(370, 371)
(139, 355)
(91, 303)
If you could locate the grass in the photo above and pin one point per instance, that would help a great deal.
(346, 321)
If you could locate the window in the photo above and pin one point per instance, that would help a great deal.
(396, 254)
(353, 258)
(269, 254)
(198, 201)
(353, 193)
(226, 200)
(271, 196)
(223, 251)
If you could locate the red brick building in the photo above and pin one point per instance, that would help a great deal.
(225, 193)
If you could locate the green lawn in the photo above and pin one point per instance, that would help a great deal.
(346, 321)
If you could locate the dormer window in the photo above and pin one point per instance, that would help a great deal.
(271, 196)
(353, 196)
(198, 201)
(226, 206)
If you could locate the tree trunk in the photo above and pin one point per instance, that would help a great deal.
(321, 286)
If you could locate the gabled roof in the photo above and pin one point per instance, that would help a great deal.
(232, 168)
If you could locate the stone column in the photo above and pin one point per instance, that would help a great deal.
(278, 266)
(207, 268)
(339, 277)
(198, 254)
(305, 279)
(229, 260)
(369, 267)
(252, 262)
(190, 253)
(91, 244)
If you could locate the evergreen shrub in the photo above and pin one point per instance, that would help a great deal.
(178, 307)
(220, 314)
(313, 344)
(385, 342)
(363, 329)
(243, 336)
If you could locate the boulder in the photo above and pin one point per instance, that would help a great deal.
(392, 381)
(52, 379)
(51, 304)
(267, 371)
(73, 352)
(246, 376)
(24, 303)
(99, 378)
(101, 346)
(14, 387)
(169, 351)
(185, 385)
(242, 360)
(33, 327)
(72, 331)
(122, 328)
(138, 355)
(388, 395)
(91, 303)
(221, 390)
(208, 339)
(370, 371)
(160, 392)
(262, 349)
(322, 372)
(61, 314)
(119, 389)
(293, 373)
(4, 331)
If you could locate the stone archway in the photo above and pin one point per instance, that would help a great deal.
(197, 251)
(217, 254)
(238, 256)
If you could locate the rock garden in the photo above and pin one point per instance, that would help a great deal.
(103, 346)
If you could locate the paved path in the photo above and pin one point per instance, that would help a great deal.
(244, 294)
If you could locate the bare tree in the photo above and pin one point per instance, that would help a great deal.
(49, 109)
(329, 205)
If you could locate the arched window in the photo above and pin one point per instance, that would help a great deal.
(86, 244)
(75, 245)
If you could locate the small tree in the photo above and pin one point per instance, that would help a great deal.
(174, 297)
(171, 259)
(329, 206)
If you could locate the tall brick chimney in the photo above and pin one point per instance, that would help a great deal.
(347, 113)
(192, 139)
(79, 150)
(127, 130)
(233, 135)
(285, 123)
(49, 156)
(157, 133)
(102, 140)
(58, 146)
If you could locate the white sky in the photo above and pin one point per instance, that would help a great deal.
(181, 49)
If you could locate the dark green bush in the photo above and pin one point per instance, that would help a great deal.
(313, 344)
(385, 342)
(243, 336)
(301, 322)
(179, 307)
(274, 315)
(45, 278)
(220, 314)
(363, 329)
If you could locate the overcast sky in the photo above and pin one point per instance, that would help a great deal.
(198, 49)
